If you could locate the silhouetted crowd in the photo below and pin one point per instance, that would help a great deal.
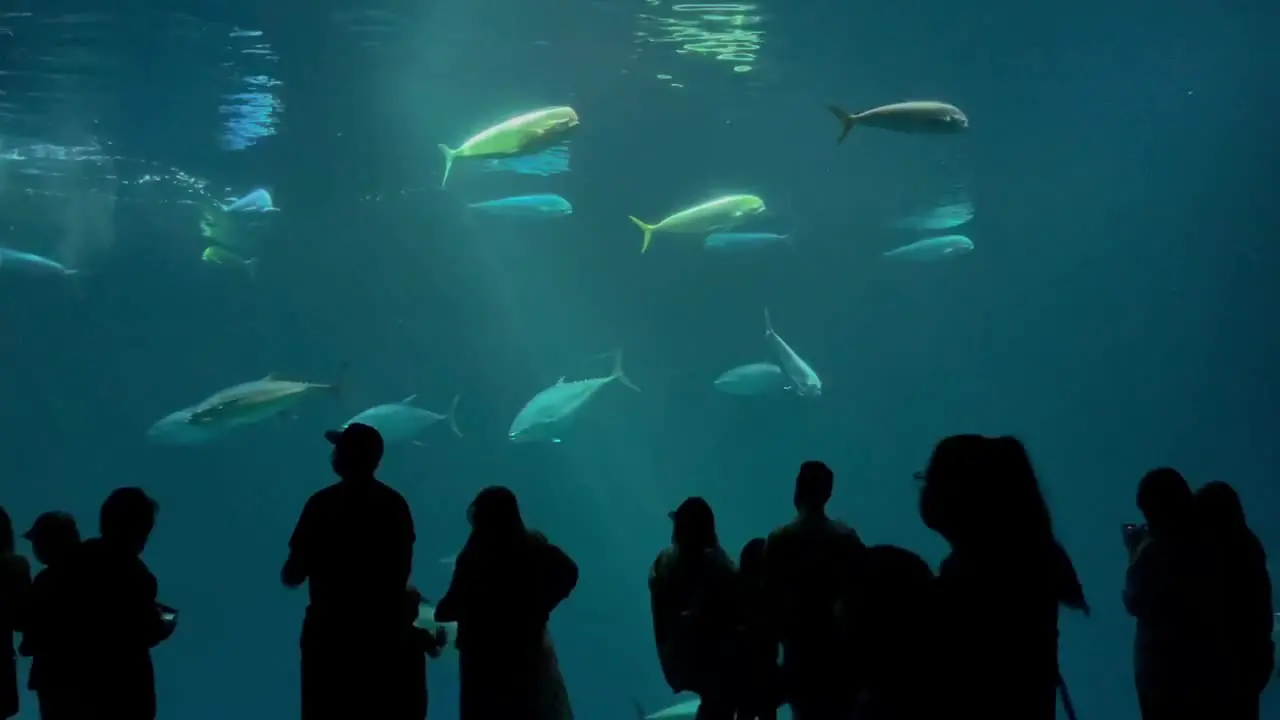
(809, 616)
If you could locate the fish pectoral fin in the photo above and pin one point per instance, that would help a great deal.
(409, 400)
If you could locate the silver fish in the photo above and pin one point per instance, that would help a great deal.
(915, 117)
(807, 383)
(253, 402)
(548, 413)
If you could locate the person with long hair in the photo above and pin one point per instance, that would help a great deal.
(506, 582)
(999, 589)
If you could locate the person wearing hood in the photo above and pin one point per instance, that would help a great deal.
(47, 639)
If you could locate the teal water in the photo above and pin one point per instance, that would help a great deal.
(1117, 310)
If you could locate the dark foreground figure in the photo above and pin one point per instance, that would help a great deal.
(48, 638)
(353, 545)
(506, 582)
(15, 580)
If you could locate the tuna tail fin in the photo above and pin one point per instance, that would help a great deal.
(648, 232)
(449, 155)
(638, 708)
(768, 324)
(847, 121)
(452, 416)
(619, 374)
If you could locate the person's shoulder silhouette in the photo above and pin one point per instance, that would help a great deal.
(354, 539)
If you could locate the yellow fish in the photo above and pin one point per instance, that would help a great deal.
(525, 134)
(722, 213)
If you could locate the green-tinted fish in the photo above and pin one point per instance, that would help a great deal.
(524, 134)
(221, 256)
(252, 402)
(723, 213)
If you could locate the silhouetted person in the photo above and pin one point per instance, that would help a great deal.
(114, 677)
(1165, 589)
(506, 582)
(760, 690)
(998, 591)
(49, 638)
(15, 584)
(353, 545)
(899, 633)
(1245, 612)
(419, 643)
(812, 574)
(694, 600)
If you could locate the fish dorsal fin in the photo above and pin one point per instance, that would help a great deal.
(270, 376)
(561, 380)
(409, 400)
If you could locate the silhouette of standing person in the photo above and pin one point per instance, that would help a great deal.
(1244, 606)
(1166, 591)
(812, 570)
(15, 583)
(113, 672)
(353, 545)
(55, 538)
(761, 692)
(506, 582)
(899, 633)
(695, 600)
(999, 590)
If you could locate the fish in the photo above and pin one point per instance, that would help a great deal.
(254, 401)
(527, 134)
(752, 379)
(32, 264)
(427, 621)
(546, 205)
(548, 413)
(684, 710)
(403, 422)
(915, 117)
(743, 240)
(176, 429)
(942, 217)
(722, 213)
(806, 381)
(215, 255)
(934, 248)
(257, 201)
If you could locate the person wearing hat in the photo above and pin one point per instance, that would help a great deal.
(15, 584)
(696, 607)
(811, 571)
(353, 546)
(47, 639)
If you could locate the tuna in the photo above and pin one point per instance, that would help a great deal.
(551, 411)
(753, 379)
(935, 248)
(252, 402)
(403, 421)
(805, 381)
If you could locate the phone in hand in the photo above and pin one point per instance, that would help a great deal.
(1133, 534)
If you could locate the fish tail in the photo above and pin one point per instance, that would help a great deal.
(452, 416)
(449, 155)
(847, 121)
(638, 708)
(768, 324)
(620, 374)
(648, 232)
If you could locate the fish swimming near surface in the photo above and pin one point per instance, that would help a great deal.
(722, 213)
(916, 117)
(257, 201)
(744, 240)
(549, 413)
(32, 264)
(215, 255)
(753, 379)
(527, 134)
(403, 421)
(530, 206)
(427, 621)
(934, 248)
(684, 710)
(805, 381)
(176, 429)
(254, 401)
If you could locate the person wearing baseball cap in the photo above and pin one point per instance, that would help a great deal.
(353, 546)
(693, 593)
(48, 638)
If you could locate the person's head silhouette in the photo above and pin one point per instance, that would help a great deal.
(127, 518)
(357, 451)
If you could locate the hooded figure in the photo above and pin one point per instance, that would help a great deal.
(506, 582)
